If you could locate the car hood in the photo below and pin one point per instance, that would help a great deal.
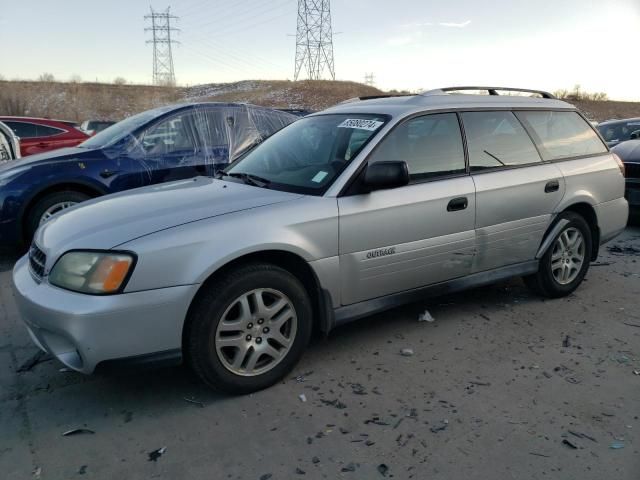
(48, 157)
(107, 222)
(628, 151)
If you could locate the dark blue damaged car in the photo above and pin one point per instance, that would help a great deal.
(168, 143)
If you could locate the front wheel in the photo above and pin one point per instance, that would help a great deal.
(565, 264)
(249, 328)
(47, 207)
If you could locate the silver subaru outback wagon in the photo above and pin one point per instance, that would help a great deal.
(347, 212)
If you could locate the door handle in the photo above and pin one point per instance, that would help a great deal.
(552, 186)
(108, 173)
(459, 203)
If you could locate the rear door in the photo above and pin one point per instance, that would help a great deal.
(516, 192)
(420, 234)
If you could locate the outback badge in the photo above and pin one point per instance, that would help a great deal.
(382, 252)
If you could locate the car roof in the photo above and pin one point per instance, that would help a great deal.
(618, 121)
(9, 118)
(439, 100)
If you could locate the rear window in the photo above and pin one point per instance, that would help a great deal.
(45, 131)
(562, 134)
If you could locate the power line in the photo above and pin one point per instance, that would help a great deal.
(314, 39)
(161, 29)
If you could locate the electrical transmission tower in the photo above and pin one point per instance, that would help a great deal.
(161, 30)
(369, 79)
(314, 39)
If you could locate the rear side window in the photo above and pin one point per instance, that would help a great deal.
(23, 129)
(431, 145)
(497, 139)
(45, 131)
(562, 134)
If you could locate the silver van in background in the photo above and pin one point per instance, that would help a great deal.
(347, 212)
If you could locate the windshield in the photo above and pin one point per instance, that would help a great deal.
(307, 156)
(121, 129)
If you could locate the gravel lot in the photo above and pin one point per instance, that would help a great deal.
(502, 385)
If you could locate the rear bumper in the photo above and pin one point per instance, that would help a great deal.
(612, 218)
(84, 330)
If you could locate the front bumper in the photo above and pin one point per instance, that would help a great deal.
(84, 330)
(632, 192)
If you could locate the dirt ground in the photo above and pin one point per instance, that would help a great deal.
(502, 385)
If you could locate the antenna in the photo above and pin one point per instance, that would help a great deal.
(314, 39)
(161, 29)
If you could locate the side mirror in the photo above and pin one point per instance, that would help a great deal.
(634, 135)
(384, 175)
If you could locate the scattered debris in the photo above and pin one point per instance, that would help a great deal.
(302, 378)
(156, 454)
(443, 426)
(299, 471)
(128, 416)
(266, 476)
(486, 317)
(631, 324)
(426, 317)
(315, 460)
(623, 250)
(368, 443)
(601, 264)
(539, 454)
(566, 342)
(480, 384)
(82, 470)
(375, 421)
(37, 472)
(35, 359)
(383, 469)
(636, 372)
(569, 444)
(582, 435)
(406, 352)
(77, 431)
(302, 397)
(358, 389)
(616, 445)
(194, 401)
(349, 468)
(334, 403)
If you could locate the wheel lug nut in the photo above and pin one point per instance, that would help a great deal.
(248, 338)
(250, 325)
(260, 322)
(265, 330)
(258, 340)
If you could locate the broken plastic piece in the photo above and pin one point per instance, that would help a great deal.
(426, 317)
(302, 397)
(616, 445)
(77, 431)
(406, 352)
(156, 454)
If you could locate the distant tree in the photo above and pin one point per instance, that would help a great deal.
(2, 77)
(47, 77)
(119, 81)
(75, 78)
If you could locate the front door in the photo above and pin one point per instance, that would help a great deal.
(515, 192)
(412, 236)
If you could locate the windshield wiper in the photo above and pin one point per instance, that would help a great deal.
(249, 179)
(495, 158)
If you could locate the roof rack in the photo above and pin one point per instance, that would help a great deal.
(490, 90)
(373, 97)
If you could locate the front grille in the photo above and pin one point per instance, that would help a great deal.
(632, 170)
(37, 261)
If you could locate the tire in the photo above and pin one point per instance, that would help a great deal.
(553, 281)
(225, 341)
(34, 217)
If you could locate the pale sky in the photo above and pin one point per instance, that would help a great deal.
(406, 44)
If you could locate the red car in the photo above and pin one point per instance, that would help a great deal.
(39, 135)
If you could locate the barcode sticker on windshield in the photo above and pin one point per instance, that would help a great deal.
(361, 124)
(319, 176)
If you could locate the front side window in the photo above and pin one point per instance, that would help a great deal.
(431, 145)
(562, 134)
(619, 131)
(497, 139)
(173, 135)
(23, 129)
(308, 155)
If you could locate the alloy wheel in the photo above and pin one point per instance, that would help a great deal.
(568, 256)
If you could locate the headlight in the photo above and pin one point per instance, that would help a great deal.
(95, 273)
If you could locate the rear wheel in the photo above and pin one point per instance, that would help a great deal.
(565, 264)
(48, 206)
(249, 328)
